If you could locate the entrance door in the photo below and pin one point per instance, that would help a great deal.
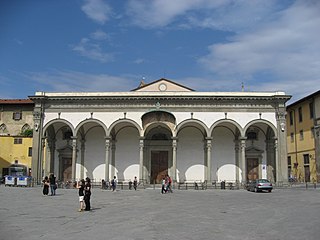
(252, 168)
(66, 169)
(159, 166)
(306, 173)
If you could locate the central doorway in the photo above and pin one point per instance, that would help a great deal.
(159, 165)
(252, 168)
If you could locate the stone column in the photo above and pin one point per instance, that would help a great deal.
(106, 168)
(270, 149)
(209, 148)
(83, 148)
(277, 160)
(243, 159)
(36, 166)
(113, 157)
(282, 164)
(42, 167)
(51, 150)
(174, 159)
(237, 153)
(74, 158)
(141, 162)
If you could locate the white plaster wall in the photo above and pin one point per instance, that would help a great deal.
(208, 118)
(243, 118)
(190, 155)
(127, 154)
(223, 155)
(94, 160)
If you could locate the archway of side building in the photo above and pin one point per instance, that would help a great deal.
(192, 151)
(58, 149)
(226, 163)
(260, 151)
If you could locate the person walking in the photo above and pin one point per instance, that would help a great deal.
(53, 186)
(46, 184)
(169, 183)
(80, 186)
(114, 183)
(87, 194)
(163, 188)
(135, 183)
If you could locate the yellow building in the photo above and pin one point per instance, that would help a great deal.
(16, 123)
(303, 118)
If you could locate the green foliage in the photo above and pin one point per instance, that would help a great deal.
(27, 133)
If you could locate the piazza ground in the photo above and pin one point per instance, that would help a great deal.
(291, 213)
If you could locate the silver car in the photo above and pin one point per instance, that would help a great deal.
(259, 185)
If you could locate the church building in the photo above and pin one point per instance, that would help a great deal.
(157, 129)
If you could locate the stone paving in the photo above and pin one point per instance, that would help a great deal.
(147, 214)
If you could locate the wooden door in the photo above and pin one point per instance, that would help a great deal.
(159, 166)
(252, 168)
(66, 169)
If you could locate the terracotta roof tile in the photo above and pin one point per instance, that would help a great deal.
(16, 101)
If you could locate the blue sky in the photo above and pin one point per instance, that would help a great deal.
(207, 45)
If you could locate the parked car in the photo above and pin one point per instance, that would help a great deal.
(259, 185)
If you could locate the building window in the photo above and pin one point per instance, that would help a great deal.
(292, 137)
(300, 114)
(17, 141)
(252, 136)
(289, 167)
(289, 161)
(306, 159)
(291, 118)
(312, 132)
(3, 129)
(30, 152)
(301, 135)
(311, 109)
(67, 135)
(17, 116)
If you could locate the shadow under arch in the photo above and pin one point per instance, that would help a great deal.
(52, 122)
(263, 121)
(156, 125)
(91, 120)
(122, 123)
(201, 126)
(222, 122)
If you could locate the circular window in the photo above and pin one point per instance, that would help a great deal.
(162, 87)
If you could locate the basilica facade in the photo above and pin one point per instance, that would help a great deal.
(157, 129)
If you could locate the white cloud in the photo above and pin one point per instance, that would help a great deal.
(92, 50)
(139, 61)
(72, 81)
(97, 10)
(286, 48)
(99, 35)
(228, 15)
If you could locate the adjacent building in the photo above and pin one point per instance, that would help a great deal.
(160, 128)
(16, 128)
(303, 130)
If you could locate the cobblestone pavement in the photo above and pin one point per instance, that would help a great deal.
(147, 214)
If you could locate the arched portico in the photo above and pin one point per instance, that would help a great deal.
(226, 154)
(193, 151)
(124, 136)
(260, 150)
(60, 150)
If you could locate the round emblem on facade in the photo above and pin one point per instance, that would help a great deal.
(162, 87)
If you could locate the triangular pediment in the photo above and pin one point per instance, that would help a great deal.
(162, 85)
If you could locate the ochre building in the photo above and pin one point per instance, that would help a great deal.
(16, 124)
(303, 131)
